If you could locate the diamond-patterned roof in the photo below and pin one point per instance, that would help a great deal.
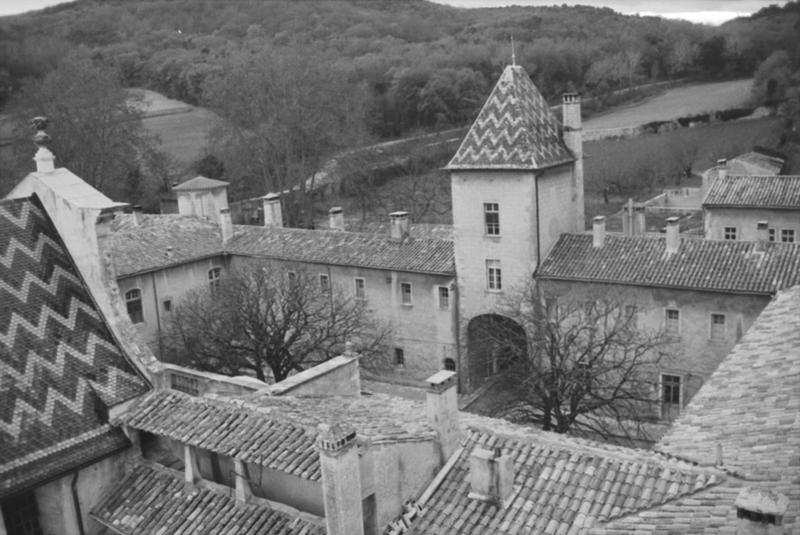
(59, 363)
(515, 129)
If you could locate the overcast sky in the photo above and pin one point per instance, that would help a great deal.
(707, 11)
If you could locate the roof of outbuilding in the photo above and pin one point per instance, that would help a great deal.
(778, 192)
(515, 129)
(707, 265)
(755, 163)
(58, 360)
(200, 183)
(157, 500)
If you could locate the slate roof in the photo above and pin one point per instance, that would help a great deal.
(515, 129)
(154, 500)
(199, 183)
(562, 485)
(59, 363)
(781, 192)
(275, 432)
(707, 265)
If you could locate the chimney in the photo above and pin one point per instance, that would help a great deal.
(45, 161)
(673, 240)
(136, 210)
(573, 139)
(639, 219)
(491, 476)
(598, 231)
(762, 235)
(722, 169)
(241, 481)
(336, 218)
(627, 218)
(273, 217)
(760, 512)
(225, 224)
(341, 479)
(442, 408)
(399, 223)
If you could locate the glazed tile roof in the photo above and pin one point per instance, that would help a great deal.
(515, 129)
(708, 265)
(750, 406)
(562, 485)
(275, 432)
(200, 183)
(59, 362)
(155, 500)
(777, 192)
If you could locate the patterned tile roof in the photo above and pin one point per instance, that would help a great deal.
(562, 485)
(778, 192)
(709, 265)
(154, 500)
(515, 129)
(275, 432)
(200, 183)
(59, 363)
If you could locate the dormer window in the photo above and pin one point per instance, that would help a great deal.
(133, 302)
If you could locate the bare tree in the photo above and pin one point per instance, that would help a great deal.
(272, 318)
(582, 368)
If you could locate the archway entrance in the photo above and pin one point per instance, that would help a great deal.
(494, 342)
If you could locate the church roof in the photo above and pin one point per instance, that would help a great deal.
(200, 183)
(515, 129)
(60, 366)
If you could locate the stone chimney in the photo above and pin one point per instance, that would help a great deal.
(336, 218)
(442, 409)
(399, 225)
(45, 161)
(341, 479)
(225, 224)
(273, 216)
(598, 231)
(760, 512)
(762, 235)
(573, 139)
(136, 210)
(722, 169)
(627, 218)
(673, 239)
(639, 219)
(491, 476)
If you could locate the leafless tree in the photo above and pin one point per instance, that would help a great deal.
(264, 317)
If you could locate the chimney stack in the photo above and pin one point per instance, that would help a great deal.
(399, 222)
(598, 231)
(273, 216)
(573, 139)
(762, 235)
(442, 409)
(722, 168)
(45, 161)
(341, 479)
(336, 218)
(136, 211)
(627, 218)
(225, 224)
(491, 476)
(760, 512)
(673, 235)
(639, 219)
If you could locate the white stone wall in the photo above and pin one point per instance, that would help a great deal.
(557, 205)
(746, 220)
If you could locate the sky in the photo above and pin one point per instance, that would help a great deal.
(704, 11)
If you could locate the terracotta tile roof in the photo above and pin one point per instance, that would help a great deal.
(58, 359)
(157, 500)
(778, 192)
(275, 432)
(200, 183)
(562, 485)
(417, 255)
(709, 265)
(515, 129)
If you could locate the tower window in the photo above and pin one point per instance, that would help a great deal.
(494, 277)
(133, 302)
(491, 217)
(444, 297)
(213, 277)
(717, 326)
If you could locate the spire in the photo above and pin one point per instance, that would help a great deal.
(44, 158)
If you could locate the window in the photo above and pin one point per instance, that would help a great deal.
(213, 277)
(771, 234)
(670, 396)
(444, 297)
(361, 292)
(405, 293)
(292, 276)
(324, 283)
(491, 217)
(672, 324)
(730, 233)
(167, 304)
(399, 356)
(787, 235)
(21, 515)
(450, 365)
(133, 301)
(494, 278)
(184, 383)
(717, 326)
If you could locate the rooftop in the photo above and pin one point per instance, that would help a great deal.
(706, 265)
(515, 129)
(59, 363)
(780, 192)
(755, 163)
(200, 183)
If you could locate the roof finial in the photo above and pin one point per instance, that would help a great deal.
(44, 158)
(513, 53)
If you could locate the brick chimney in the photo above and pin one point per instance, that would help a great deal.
(442, 408)
(225, 224)
(673, 239)
(760, 512)
(573, 139)
(336, 218)
(598, 231)
(399, 225)
(762, 235)
(341, 479)
(491, 476)
(273, 216)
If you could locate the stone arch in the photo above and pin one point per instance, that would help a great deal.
(493, 343)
